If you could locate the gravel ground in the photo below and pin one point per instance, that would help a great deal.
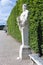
(9, 50)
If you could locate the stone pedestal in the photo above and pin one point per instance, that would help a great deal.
(24, 48)
(24, 52)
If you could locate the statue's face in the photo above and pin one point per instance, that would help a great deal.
(24, 7)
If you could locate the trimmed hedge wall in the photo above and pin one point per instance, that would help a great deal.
(35, 8)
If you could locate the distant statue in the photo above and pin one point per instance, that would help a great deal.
(22, 22)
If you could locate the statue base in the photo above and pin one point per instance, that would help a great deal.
(24, 52)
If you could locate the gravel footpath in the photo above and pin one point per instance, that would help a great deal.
(9, 50)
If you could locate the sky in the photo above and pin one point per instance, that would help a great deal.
(5, 9)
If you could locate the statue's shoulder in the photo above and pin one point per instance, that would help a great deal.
(27, 11)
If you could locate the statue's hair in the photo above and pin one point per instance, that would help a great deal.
(24, 4)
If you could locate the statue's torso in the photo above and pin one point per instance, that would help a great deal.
(23, 19)
(24, 16)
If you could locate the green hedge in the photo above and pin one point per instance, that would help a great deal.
(35, 8)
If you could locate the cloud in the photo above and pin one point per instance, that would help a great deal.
(5, 9)
(5, 12)
(6, 2)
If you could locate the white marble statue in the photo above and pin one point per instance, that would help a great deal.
(22, 22)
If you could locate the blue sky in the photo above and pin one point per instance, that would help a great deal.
(5, 9)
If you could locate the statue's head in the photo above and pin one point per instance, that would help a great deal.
(24, 7)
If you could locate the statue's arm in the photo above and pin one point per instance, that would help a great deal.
(26, 17)
(18, 20)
